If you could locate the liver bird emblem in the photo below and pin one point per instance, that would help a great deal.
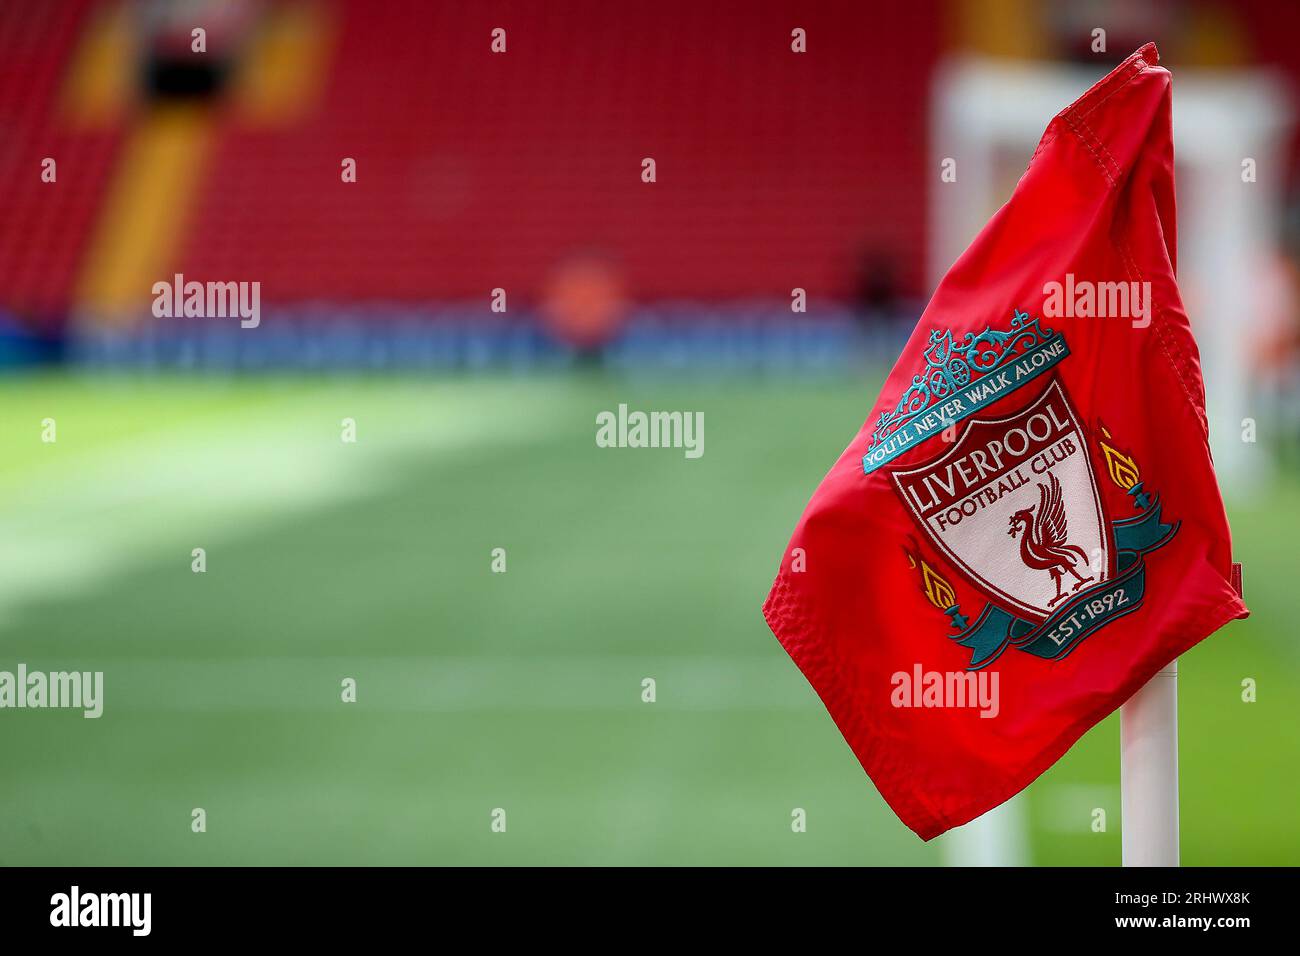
(1043, 544)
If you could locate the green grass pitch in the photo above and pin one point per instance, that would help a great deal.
(520, 690)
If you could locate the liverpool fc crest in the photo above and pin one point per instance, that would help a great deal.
(1029, 477)
(1015, 506)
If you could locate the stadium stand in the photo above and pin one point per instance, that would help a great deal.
(477, 170)
(46, 225)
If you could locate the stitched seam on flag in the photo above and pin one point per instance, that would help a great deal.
(1088, 138)
(1174, 357)
(1075, 118)
(1135, 62)
(1177, 359)
(1116, 171)
(1139, 68)
(1106, 87)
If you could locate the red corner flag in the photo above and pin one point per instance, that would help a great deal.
(1028, 527)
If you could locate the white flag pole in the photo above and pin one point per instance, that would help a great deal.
(1149, 772)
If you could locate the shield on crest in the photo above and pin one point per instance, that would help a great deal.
(1015, 505)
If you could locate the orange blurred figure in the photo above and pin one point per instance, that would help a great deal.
(584, 302)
